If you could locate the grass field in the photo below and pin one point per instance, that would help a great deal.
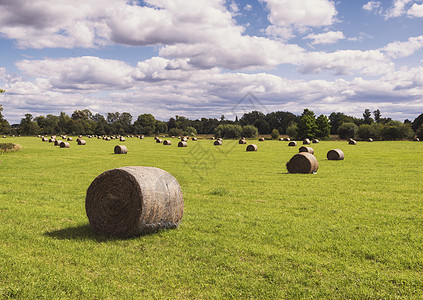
(354, 230)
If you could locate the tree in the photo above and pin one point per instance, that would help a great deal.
(64, 123)
(4, 125)
(145, 124)
(337, 119)
(367, 116)
(307, 126)
(377, 115)
(228, 131)
(280, 120)
(419, 132)
(249, 131)
(28, 126)
(323, 127)
(347, 130)
(417, 122)
(251, 117)
(275, 134)
(292, 130)
(262, 126)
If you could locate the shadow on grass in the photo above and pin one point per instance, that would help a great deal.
(84, 232)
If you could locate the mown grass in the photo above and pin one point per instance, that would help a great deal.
(354, 230)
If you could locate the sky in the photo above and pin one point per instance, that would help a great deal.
(207, 58)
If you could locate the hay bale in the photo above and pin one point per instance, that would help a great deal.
(159, 141)
(292, 144)
(122, 139)
(194, 139)
(242, 141)
(306, 141)
(132, 201)
(81, 142)
(261, 139)
(57, 142)
(70, 139)
(352, 142)
(51, 140)
(370, 140)
(44, 139)
(218, 143)
(252, 147)
(315, 141)
(281, 139)
(64, 145)
(335, 154)
(306, 149)
(120, 149)
(416, 139)
(167, 142)
(303, 162)
(141, 137)
(212, 138)
(182, 144)
(287, 139)
(184, 139)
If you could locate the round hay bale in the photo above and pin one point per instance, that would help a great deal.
(335, 154)
(287, 139)
(167, 142)
(120, 149)
(44, 139)
(306, 141)
(315, 141)
(70, 139)
(352, 142)
(194, 139)
(292, 144)
(57, 142)
(306, 149)
(281, 139)
(81, 142)
(182, 144)
(218, 143)
(242, 141)
(4, 136)
(370, 140)
(108, 138)
(122, 139)
(159, 141)
(132, 201)
(252, 147)
(141, 137)
(261, 139)
(51, 140)
(184, 139)
(212, 138)
(64, 145)
(416, 139)
(303, 162)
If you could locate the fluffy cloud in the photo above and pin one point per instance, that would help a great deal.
(416, 10)
(372, 5)
(403, 49)
(330, 37)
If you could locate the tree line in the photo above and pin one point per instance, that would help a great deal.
(249, 125)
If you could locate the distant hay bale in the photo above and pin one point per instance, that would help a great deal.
(281, 139)
(156, 137)
(306, 141)
(287, 139)
(167, 142)
(303, 163)
(306, 149)
(194, 139)
(120, 149)
(218, 143)
(182, 144)
(159, 141)
(81, 142)
(122, 139)
(261, 139)
(212, 138)
(108, 139)
(64, 145)
(80, 135)
(133, 201)
(252, 147)
(370, 140)
(416, 139)
(4, 136)
(242, 141)
(335, 154)
(352, 142)
(44, 139)
(141, 137)
(51, 140)
(315, 141)
(292, 144)
(70, 139)
(57, 142)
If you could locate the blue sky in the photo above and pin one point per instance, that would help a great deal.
(201, 57)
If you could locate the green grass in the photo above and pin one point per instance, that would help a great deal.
(354, 230)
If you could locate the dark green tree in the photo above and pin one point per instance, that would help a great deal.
(28, 126)
(145, 124)
(251, 117)
(323, 127)
(377, 115)
(367, 116)
(307, 126)
(262, 126)
(347, 130)
(4, 124)
(417, 122)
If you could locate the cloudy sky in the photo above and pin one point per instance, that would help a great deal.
(207, 57)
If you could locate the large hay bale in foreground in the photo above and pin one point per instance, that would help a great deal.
(182, 144)
(306, 149)
(132, 201)
(303, 162)
(167, 142)
(64, 145)
(335, 154)
(292, 144)
(120, 149)
(252, 147)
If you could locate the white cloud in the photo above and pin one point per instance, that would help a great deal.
(330, 37)
(372, 5)
(416, 10)
(399, 8)
(248, 7)
(403, 49)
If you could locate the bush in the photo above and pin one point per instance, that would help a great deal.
(347, 130)
(176, 132)
(249, 131)
(292, 130)
(275, 134)
(396, 130)
(228, 131)
(366, 131)
(9, 147)
(190, 131)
